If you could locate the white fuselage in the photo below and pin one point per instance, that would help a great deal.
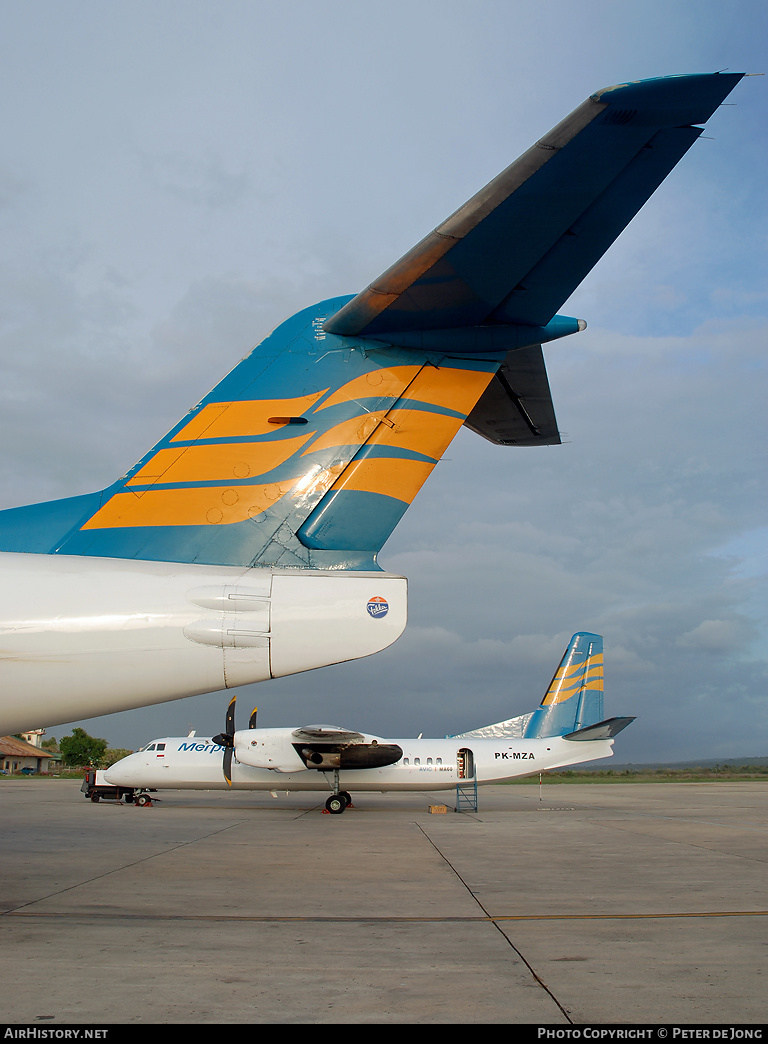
(87, 636)
(427, 764)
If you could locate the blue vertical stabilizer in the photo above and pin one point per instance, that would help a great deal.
(574, 697)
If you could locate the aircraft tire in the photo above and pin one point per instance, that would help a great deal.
(336, 804)
(143, 800)
(95, 797)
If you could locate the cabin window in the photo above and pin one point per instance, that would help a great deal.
(429, 761)
(406, 761)
(438, 761)
(417, 761)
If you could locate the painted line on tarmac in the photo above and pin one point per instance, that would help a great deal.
(118, 915)
(494, 921)
(628, 916)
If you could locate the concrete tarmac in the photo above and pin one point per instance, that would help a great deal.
(600, 903)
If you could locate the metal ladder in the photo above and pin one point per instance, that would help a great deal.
(466, 795)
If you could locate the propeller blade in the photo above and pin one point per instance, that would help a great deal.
(230, 729)
(252, 719)
(226, 740)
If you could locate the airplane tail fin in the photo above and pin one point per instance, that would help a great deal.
(307, 455)
(573, 700)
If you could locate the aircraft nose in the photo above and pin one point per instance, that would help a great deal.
(120, 774)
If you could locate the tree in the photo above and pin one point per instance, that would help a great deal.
(82, 749)
(114, 754)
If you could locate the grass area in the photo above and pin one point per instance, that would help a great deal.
(711, 774)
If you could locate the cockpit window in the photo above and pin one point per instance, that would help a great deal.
(161, 746)
(150, 747)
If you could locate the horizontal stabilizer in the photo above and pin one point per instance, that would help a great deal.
(516, 408)
(517, 249)
(602, 730)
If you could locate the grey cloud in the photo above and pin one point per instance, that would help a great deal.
(201, 180)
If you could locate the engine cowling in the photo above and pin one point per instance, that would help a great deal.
(268, 749)
(355, 755)
(321, 748)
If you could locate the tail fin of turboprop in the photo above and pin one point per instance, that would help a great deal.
(573, 700)
(308, 453)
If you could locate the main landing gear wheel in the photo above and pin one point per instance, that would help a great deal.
(336, 804)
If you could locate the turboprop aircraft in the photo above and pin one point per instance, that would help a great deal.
(566, 729)
(243, 546)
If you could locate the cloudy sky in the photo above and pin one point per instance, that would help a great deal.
(179, 176)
